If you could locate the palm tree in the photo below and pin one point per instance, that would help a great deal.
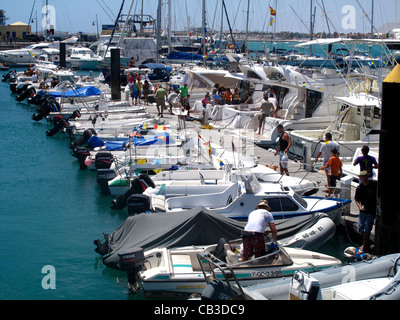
(3, 17)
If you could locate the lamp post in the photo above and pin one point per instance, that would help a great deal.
(97, 26)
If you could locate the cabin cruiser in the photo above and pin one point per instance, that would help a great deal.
(357, 124)
(83, 59)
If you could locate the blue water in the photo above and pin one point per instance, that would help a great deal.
(50, 213)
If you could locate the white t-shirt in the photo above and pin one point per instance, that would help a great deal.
(258, 220)
(326, 149)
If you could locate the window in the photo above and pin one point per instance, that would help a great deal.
(280, 204)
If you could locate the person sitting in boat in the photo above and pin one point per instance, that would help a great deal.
(43, 84)
(253, 234)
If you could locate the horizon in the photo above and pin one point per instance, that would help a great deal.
(342, 16)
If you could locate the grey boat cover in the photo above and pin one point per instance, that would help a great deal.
(198, 226)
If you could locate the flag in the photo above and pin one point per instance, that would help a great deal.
(273, 14)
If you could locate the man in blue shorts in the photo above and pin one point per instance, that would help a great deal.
(366, 200)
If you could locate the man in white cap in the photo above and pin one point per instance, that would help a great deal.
(253, 235)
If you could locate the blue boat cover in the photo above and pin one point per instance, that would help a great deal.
(95, 142)
(80, 92)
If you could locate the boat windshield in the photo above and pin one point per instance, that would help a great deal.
(278, 258)
(300, 200)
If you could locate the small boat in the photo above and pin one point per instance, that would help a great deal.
(375, 279)
(236, 200)
(180, 272)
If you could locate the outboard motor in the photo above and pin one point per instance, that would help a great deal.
(82, 153)
(7, 77)
(49, 105)
(103, 177)
(87, 134)
(27, 93)
(104, 160)
(138, 203)
(138, 186)
(131, 261)
(38, 98)
(59, 124)
(102, 248)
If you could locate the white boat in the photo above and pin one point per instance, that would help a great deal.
(238, 199)
(179, 271)
(305, 96)
(25, 56)
(376, 279)
(83, 59)
(357, 124)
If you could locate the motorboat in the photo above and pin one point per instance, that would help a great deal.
(238, 199)
(83, 59)
(374, 279)
(357, 124)
(179, 271)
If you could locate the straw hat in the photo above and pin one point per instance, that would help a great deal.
(263, 203)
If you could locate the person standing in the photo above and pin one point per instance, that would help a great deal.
(326, 151)
(184, 92)
(366, 162)
(284, 145)
(366, 200)
(265, 109)
(161, 93)
(253, 234)
(335, 172)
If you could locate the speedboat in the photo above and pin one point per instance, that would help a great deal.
(180, 272)
(83, 59)
(238, 199)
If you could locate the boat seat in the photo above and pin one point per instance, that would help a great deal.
(181, 263)
(232, 258)
(158, 202)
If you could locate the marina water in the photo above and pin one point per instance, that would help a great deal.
(50, 213)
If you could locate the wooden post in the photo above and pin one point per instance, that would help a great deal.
(387, 233)
(115, 74)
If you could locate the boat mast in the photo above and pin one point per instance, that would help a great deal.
(204, 33)
(247, 23)
(372, 19)
(169, 25)
(158, 30)
(222, 26)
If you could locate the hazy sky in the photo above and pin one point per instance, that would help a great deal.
(292, 15)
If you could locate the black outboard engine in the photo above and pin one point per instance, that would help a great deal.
(138, 203)
(131, 261)
(103, 177)
(87, 134)
(49, 105)
(82, 153)
(102, 248)
(104, 160)
(59, 124)
(39, 98)
(30, 91)
(10, 75)
(138, 186)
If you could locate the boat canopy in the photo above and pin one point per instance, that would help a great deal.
(80, 92)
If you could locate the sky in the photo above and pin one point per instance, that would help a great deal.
(292, 15)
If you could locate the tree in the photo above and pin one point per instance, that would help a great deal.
(3, 17)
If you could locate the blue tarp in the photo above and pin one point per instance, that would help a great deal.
(161, 138)
(81, 92)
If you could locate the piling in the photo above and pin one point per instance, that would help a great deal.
(115, 74)
(387, 239)
(63, 61)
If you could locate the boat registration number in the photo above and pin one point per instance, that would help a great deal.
(263, 274)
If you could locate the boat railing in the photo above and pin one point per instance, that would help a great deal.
(205, 258)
